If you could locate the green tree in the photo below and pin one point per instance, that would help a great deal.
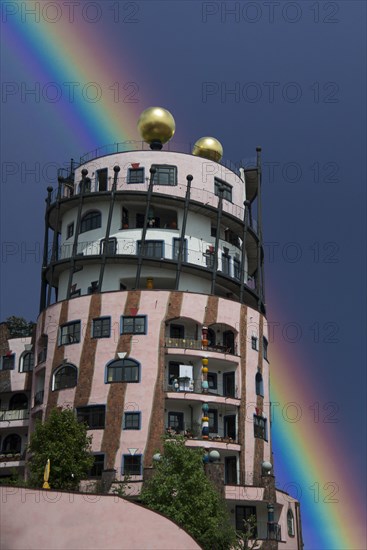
(19, 327)
(246, 539)
(180, 490)
(63, 440)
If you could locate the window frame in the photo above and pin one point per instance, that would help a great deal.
(99, 172)
(130, 171)
(248, 512)
(110, 242)
(111, 365)
(102, 320)
(154, 243)
(130, 456)
(62, 337)
(180, 418)
(69, 230)
(94, 215)
(214, 376)
(134, 331)
(260, 432)
(265, 348)
(57, 370)
(213, 428)
(176, 249)
(89, 410)
(130, 414)
(226, 263)
(90, 475)
(160, 168)
(259, 384)
(227, 191)
(254, 343)
(290, 523)
(21, 362)
(5, 358)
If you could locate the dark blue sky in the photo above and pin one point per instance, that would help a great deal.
(290, 77)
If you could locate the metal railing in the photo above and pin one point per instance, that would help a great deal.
(7, 415)
(188, 343)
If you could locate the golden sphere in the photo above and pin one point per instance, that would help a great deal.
(156, 124)
(208, 148)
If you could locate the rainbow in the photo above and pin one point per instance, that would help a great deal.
(308, 456)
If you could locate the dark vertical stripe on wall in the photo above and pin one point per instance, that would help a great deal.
(116, 394)
(156, 424)
(259, 443)
(211, 310)
(57, 360)
(243, 420)
(5, 380)
(88, 355)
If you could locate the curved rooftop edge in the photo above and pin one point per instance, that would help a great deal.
(106, 522)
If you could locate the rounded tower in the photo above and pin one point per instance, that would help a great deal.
(152, 315)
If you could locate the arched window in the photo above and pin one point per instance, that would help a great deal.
(12, 444)
(65, 377)
(259, 384)
(27, 362)
(123, 370)
(91, 220)
(18, 402)
(290, 523)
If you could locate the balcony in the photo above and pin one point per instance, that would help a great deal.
(38, 397)
(188, 343)
(7, 415)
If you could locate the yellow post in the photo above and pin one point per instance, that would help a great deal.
(46, 475)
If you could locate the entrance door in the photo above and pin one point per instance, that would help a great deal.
(229, 388)
(230, 426)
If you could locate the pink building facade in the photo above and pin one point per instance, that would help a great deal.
(153, 322)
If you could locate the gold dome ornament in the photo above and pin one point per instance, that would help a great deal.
(156, 126)
(208, 148)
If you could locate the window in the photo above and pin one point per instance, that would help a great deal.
(123, 370)
(177, 331)
(290, 523)
(254, 342)
(228, 341)
(8, 361)
(131, 465)
(259, 384)
(229, 384)
(165, 174)
(65, 377)
(260, 427)
(135, 175)
(102, 179)
(209, 257)
(134, 325)
(70, 230)
(12, 444)
(227, 189)
(176, 249)
(226, 262)
(132, 421)
(90, 221)
(212, 381)
(93, 416)
(232, 237)
(101, 327)
(213, 420)
(26, 362)
(236, 268)
(176, 421)
(108, 247)
(243, 514)
(151, 249)
(213, 231)
(69, 333)
(265, 348)
(98, 466)
(19, 401)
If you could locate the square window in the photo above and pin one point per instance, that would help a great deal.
(212, 381)
(132, 421)
(254, 342)
(70, 230)
(151, 249)
(165, 174)
(227, 189)
(134, 325)
(101, 327)
(8, 362)
(132, 465)
(98, 466)
(69, 333)
(135, 175)
(93, 416)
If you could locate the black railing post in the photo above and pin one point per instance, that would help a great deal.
(45, 253)
(141, 252)
(183, 231)
(216, 246)
(243, 252)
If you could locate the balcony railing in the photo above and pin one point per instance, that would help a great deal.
(11, 415)
(38, 397)
(194, 386)
(190, 431)
(188, 343)
(12, 456)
